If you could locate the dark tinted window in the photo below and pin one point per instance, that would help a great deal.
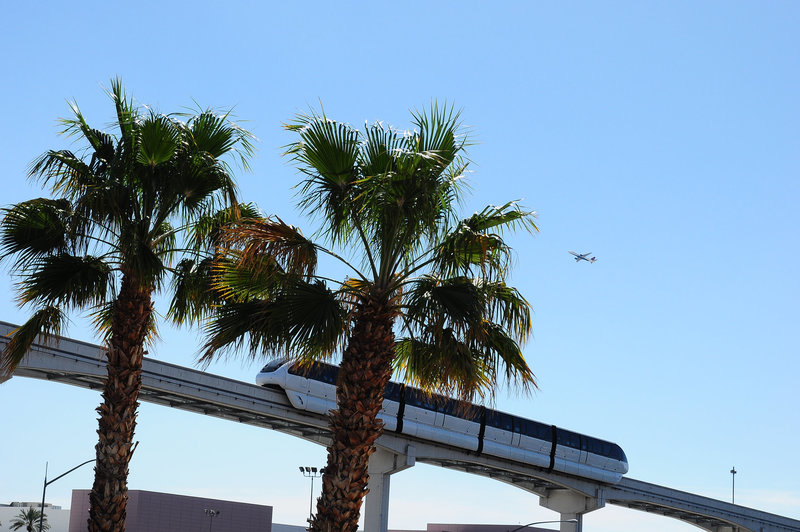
(317, 371)
(534, 429)
(618, 453)
(420, 399)
(272, 366)
(472, 413)
(568, 439)
(499, 420)
(394, 391)
(604, 448)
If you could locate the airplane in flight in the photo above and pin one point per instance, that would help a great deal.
(583, 256)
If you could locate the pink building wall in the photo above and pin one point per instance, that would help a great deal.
(150, 511)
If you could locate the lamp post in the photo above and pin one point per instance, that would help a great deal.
(312, 473)
(574, 521)
(46, 483)
(211, 515)
(733, 485)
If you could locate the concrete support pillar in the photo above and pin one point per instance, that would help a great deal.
(570, 505)
(382, 464)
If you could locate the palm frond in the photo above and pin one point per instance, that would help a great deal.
(199, 184)
(102, 317)
(157, 140)
(312, 319)
(237, 326)
(459, 324)
(163, 242)
(217, 135)
(509, 216)
(449, 367)
(69, 174)
(440, 131)
(192, 293)
(101, 142)
(407, 206)
(501, 350)
(34, 228)
(463, 250)
(253, 239)
(46, 324)
(329, 147)
(508, 308)
(109, 203)
(306, 320)
(205, 232)
(440, 304)
(260, 278)
(66, 281)
(127, 117)
(472, 244)
(327, 153)
(139, 257)
(377, 154)
(464, 365)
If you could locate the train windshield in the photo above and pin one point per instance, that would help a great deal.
(274, 365)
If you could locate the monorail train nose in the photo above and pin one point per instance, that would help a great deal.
(623, 461)
(273, 365)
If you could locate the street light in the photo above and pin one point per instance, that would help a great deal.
(211, 514)
(733, 485)
(46, 483)
(574, 521)
(312, 473)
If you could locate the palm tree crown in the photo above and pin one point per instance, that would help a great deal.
(105, 242)
(426, 294)
(114, 211)
(29, 519)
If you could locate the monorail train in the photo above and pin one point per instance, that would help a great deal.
(432, 417)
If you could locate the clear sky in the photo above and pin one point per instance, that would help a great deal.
(664, 137)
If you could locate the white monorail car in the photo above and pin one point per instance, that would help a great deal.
(432, 417)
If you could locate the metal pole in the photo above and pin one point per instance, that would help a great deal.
(46, 483)
(44, 490)
(311, 500)
(312, 473)
(733, 485)
(543, 523)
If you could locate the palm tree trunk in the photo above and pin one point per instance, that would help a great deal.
(366, 368)
(129, 323)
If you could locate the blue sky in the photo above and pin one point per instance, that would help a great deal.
(661, 136)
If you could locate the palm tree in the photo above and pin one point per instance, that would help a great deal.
(426, 293)
(105, 243)
(30, 520)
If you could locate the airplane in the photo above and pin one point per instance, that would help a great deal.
(583, 256)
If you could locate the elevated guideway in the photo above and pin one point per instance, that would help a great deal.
(82, 364)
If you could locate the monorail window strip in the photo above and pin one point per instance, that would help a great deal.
(404, 395)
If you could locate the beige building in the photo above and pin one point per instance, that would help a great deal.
(57, 518)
